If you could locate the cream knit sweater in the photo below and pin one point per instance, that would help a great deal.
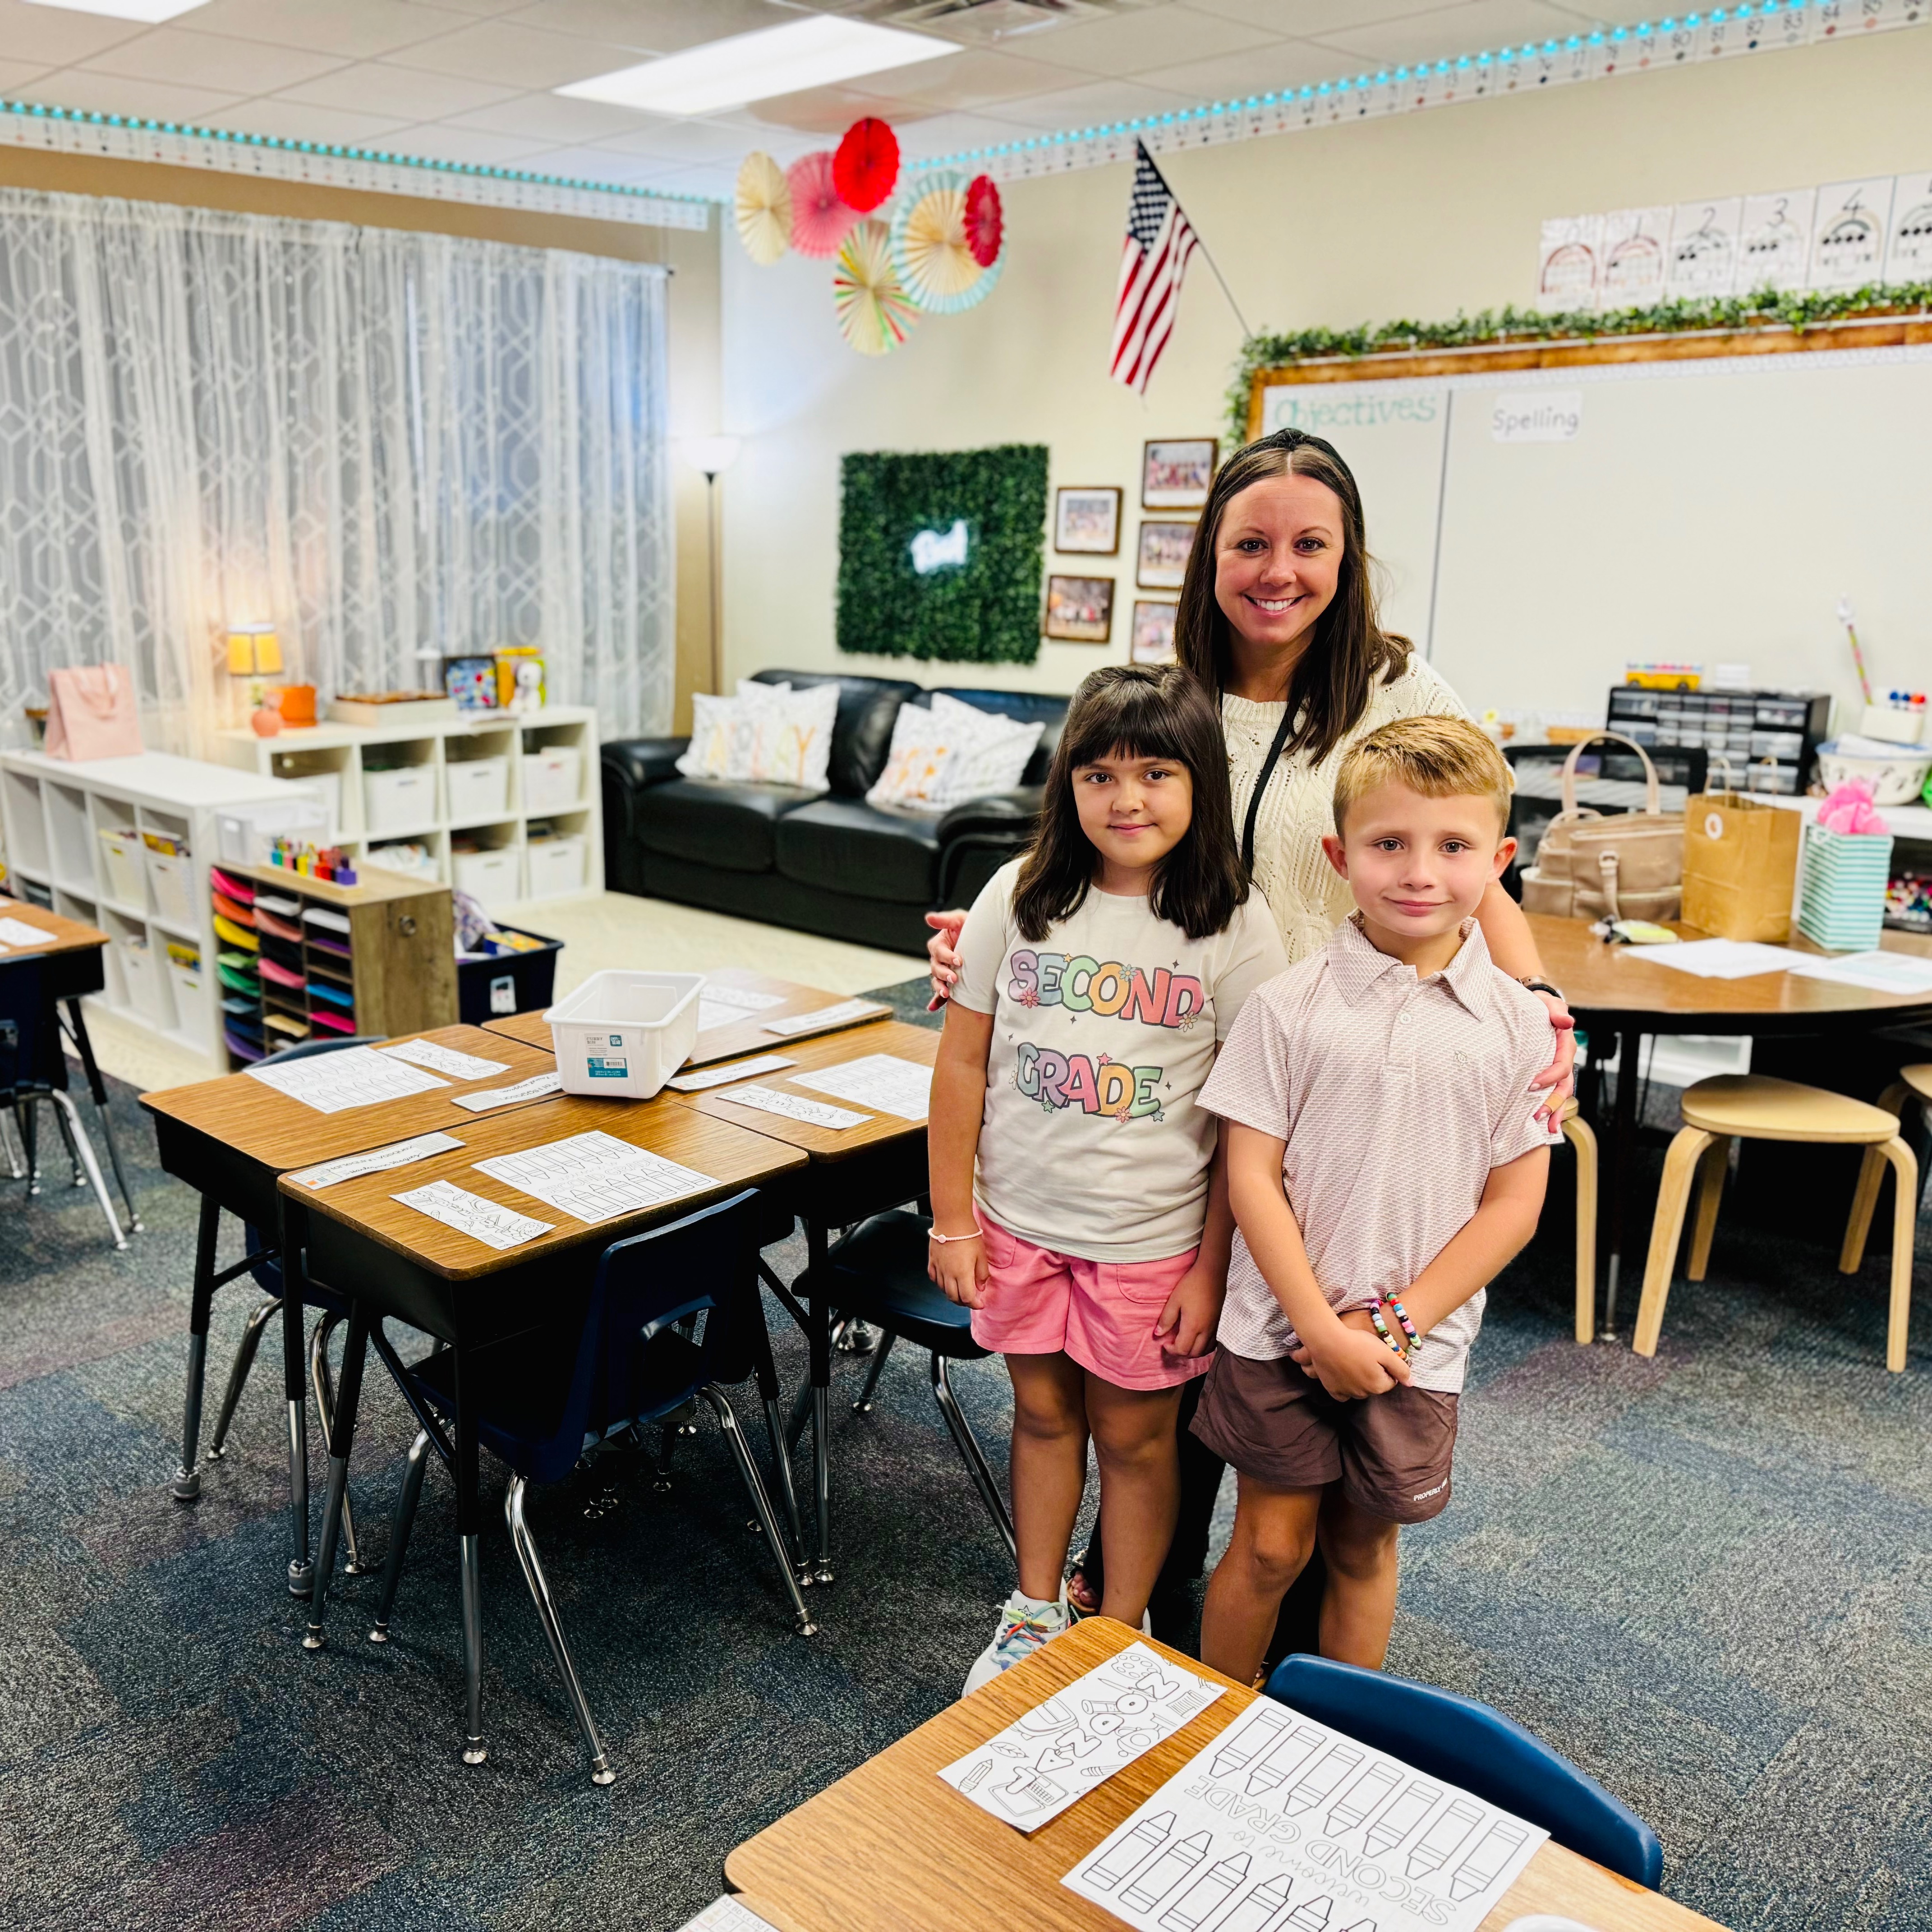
(1307, 898)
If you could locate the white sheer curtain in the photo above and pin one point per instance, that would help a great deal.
(391, 446)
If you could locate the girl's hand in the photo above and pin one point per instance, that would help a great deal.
(959, 1268)
(1559, 1076)
(942, 951)
(1189, 1318)
(1352, 1360)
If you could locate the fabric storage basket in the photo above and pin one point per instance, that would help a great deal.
(190, 1009)
(489, 877)
(555, 866)
(121, 867)
(624, 1034)
(146, 994)
(477, 789)
(552, 778)
(171, 880)
(1841, 891)
(402, 800)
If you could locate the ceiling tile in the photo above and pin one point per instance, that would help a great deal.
(376, 87)
(17, 77)
(648, 26)
(689, 141)
(1097, 106)
(974, 78)
(515, 56)
(115, 93)
(355, 29)
(953, 134)
(295, 121)
(482, 8)
(441, 143)
(1129, 43)
(1259, 70)
(55, 37)
(826, 111)
(598, 164)
(1289, 17)
(1472, 27)
(211, 60)
(549, 117)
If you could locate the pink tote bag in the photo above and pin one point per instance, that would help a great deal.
(91, 713)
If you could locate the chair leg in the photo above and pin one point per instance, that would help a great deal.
(761, 1502)
(30, 1143)
(863, 1406)
(75, 1177)
(801, 1414)
(1904, 1227)
(400, 1524)
(1582, 1137)
(1864, 1204)
(1666, 1229)
(968, 1446)
(1710, 1172)
(82, 1148)
(237, 1376)
(325, 1410)
(10, 1145)
(601, 1772)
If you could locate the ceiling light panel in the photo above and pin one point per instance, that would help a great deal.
(818, 52)
(149, 12)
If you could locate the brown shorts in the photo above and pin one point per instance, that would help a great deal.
(1391, 1453)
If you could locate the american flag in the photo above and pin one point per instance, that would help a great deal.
(1154, 258)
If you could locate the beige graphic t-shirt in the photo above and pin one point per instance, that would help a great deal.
(1104, 1033)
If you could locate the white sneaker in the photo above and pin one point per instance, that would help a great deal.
(1025, 1624)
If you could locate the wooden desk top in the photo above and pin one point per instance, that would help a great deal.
(1619, 985)
(263, 1125)
(731, 1157)
(892, 1036)
(889, 1848)
(531, 1028)
(70, 935)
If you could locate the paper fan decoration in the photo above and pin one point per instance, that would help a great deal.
(985, 222)
(763, 206)
(865, 169)
(930, 251)
(873, 309)
(820, 219)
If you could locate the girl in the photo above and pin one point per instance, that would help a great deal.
(1073, 1207)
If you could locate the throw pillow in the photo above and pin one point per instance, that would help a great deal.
(993, 750)
(767, 733)
(916, 766)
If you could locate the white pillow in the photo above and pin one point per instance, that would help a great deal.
(916, 767)
(768, 732)
(992, 751)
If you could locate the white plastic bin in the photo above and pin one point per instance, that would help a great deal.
(402, 800)
(624, 1034)
(171, 880)
(489, 877)
(413, 859)
(146, 993)
(552, 778)
(479, 788)
(190, 1009)
(556, 866)
(121, 867)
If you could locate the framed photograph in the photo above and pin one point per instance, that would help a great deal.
(1080, 610)
(1152, 641)
(1175, 476)
(1087, 521)
(1161, 564)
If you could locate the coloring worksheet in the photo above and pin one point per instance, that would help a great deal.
(726, 1005)
(723, 1076)
(595, 1177)
(1061, 1749)
(18, 932)
(358, 1076)
(402, 1153)
(534, 1088)
(843, 1014)
(795, 1107)
(1281, 1824)
(470, 1214)
(444, 1059)
(881, 1080)
(725, 1914)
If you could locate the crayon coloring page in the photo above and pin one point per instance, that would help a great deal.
(1281, 1824)
(1063, 1749)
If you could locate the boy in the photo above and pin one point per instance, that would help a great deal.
(1384, 1164)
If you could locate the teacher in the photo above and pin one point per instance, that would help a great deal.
(1278, 619)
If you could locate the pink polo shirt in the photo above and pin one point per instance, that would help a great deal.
(1395, 1096)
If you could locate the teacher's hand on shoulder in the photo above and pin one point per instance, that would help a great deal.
(1559, 1077)
(942, 951)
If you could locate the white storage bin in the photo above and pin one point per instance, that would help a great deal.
(404, 800)
(190, 1009)
(489, 877)
(172, 882)
(624, 1034)
(556, 866)
(552, 778)
(414, 861)
(478, 789)
(145, 993)
(121, 864)
(326, 786)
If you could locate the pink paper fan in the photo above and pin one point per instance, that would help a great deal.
(820, 219)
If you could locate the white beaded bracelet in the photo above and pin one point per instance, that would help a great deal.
(932, 1234)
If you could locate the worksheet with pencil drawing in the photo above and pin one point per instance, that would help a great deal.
(1061, 1749)
(1281, 1824)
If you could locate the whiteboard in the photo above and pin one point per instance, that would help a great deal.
(1708, 511)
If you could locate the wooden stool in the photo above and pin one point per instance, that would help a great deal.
(1745, 1107)
(1913, 1086)
(1582, 1137)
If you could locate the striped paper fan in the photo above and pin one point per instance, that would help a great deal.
(931, 251)
(763, 208)
(874, 313)
(820, 219)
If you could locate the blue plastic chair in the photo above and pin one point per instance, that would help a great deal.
(651, 1340)
(1470, 1745)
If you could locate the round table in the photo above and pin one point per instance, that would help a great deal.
(1617, 989)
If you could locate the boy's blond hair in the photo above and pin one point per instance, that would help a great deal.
(1440, 757)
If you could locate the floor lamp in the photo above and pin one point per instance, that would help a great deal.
(711, 456)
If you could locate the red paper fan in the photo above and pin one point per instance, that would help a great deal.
(985, 224)
(866, 167)
(820, 219)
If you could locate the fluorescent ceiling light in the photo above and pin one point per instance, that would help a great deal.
(813, 52)
(148, 11)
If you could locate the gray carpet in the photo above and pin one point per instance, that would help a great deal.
(1707, 1579)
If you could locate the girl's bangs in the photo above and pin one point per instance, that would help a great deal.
(1131, 721)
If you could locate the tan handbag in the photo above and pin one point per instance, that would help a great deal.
(91, 713)
(1628, 866)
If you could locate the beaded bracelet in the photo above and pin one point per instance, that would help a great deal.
(933, 1234)
(1408, 1327)
(1382, 1328)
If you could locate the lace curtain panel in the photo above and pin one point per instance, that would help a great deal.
(392, 447)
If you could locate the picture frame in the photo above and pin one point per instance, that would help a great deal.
(1160, 561)
(1079, 609)
(1150, 637)
(1087, 520)
(1177, 472)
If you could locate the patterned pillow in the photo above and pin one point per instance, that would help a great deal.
(768, 732)
(916, 767)
(993, 750)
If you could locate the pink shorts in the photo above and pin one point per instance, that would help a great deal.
(1101, 1313)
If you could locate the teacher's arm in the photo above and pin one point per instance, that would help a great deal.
(1513, 946)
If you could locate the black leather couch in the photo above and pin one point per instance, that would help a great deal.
(822, 862)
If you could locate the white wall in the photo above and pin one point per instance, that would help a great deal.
(1419, 215)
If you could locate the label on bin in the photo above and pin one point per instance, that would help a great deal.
(607, 1069)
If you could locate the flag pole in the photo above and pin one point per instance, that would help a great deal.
(1213, 265)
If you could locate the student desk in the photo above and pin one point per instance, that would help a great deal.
(73, 968)
(1617, 990)
(229, 1139)
(392, 1262)
(890, 1848)
(855, 1171)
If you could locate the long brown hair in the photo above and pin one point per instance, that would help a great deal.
(1137, 711)
(1329, 688)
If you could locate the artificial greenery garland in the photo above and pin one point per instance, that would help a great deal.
(1768, 308)
(985, 610)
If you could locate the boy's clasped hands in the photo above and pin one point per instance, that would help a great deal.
(1349, 1359)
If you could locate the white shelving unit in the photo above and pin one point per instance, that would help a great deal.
(435, 785)
(55, 812)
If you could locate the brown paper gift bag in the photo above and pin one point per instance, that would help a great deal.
(1740, 866)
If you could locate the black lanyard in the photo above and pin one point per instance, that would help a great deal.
(1262, 778)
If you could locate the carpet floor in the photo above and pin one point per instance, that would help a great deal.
(1707, 1579)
